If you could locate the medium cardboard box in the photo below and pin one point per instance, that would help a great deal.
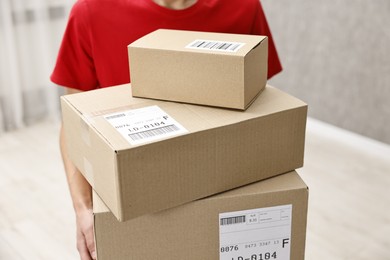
(264, 220)
(144, 155)
(215, 69)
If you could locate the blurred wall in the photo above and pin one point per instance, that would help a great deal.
(336, 57)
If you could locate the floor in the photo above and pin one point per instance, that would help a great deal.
(348, 176)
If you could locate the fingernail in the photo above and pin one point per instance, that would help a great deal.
(93, 254)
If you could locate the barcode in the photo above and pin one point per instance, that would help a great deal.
(232, 220)
(215, 45)
(115, 116)
(153, 132)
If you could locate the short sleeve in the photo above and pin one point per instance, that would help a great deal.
(260, 27)
(74, 67)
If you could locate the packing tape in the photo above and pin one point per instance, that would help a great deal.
(84, 129)
(88, 172)
(104, 112)
(89, 117)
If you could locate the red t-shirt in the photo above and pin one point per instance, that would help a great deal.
(93, 52)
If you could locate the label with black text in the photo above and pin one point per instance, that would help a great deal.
(256, 234)
(145, 124)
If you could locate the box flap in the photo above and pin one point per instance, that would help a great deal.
(194, 118)
(287, 181)
(98, 204)
(177, 40)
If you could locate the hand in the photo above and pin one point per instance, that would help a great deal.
(85, 235)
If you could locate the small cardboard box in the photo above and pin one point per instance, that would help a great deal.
(264, 220)
(215, 69)
(144, 155)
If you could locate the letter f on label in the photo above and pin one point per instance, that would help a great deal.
(285, 242)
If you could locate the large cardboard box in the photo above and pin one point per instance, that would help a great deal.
(144, 155)
(265, 220)
(216, 69)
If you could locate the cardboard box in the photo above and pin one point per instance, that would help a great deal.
(215, 69)
(169, 153)
(266, 219)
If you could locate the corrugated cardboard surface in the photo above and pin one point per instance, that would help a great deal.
(191, 231)
(223, 149)
(162, 68)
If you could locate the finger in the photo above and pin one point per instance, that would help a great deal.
(82, 248)
(84, 253)
(90, 241)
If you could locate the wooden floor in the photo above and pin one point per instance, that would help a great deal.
(348, 176)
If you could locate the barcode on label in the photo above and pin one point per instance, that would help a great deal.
(215, 45)
(115, 116)
(154, 132)
(232, 220)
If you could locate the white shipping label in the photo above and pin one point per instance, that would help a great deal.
(256, 234)
(142, 125)
(215, 45)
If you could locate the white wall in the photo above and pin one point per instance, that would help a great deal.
(336, 57)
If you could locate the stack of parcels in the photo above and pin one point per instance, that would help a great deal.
(209, 176)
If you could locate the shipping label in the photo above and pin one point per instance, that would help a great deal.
(215, 45)
(142, 125)
(256, 234)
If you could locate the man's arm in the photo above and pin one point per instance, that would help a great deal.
(81, 193)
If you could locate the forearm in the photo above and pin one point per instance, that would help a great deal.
(80, 189)
(81, 193)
